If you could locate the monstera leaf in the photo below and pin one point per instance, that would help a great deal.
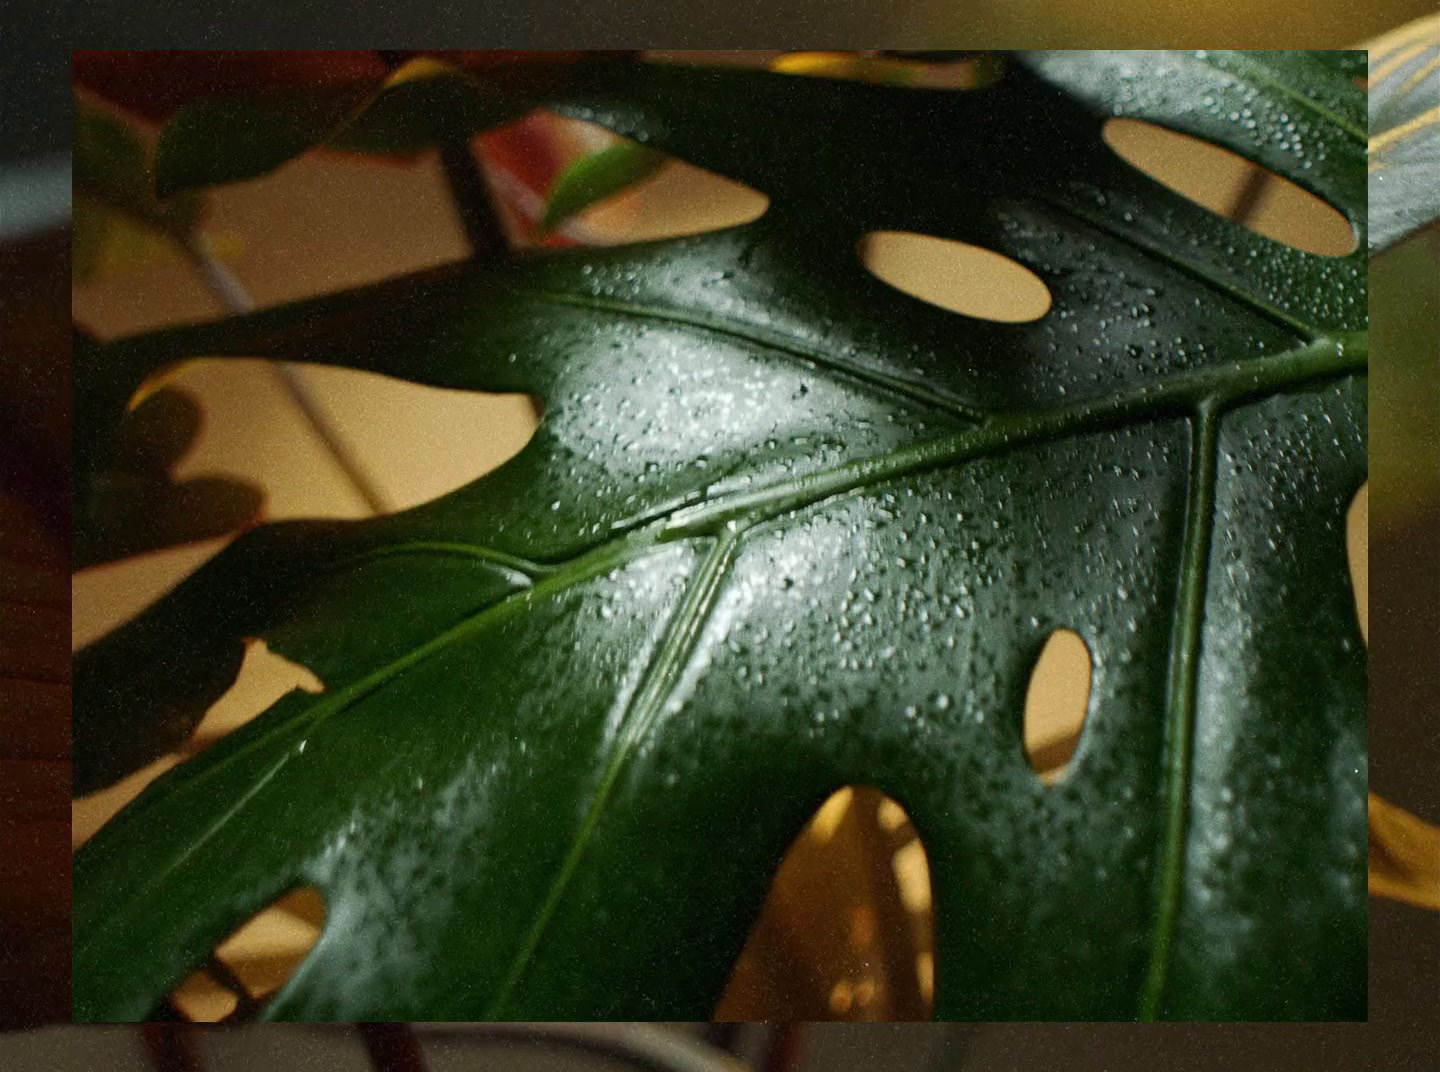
(784, 529)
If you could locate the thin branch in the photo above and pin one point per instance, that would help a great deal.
(468, 189)
(473, 203)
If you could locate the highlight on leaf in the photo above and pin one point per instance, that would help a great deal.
(933, 70)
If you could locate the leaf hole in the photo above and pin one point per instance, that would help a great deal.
(956, 276)
(394, 444)
(253, 962)
(1228, 185)
(263, 678)
(1357, 554)
(1055, 704)
(847, 929)
(562, 182)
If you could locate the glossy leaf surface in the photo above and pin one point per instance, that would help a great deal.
(783, 529)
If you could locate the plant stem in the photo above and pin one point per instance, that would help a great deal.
(473, 203)
(468, 189)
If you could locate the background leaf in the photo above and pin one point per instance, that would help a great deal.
(422, 103)
(1404, 132)
(227, 139)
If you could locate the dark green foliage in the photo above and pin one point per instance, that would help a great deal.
(785, 529)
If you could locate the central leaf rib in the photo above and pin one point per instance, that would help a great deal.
(1180, 693)
(1219, 386)
(650, 698)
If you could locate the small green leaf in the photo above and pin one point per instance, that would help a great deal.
(1404, 132)
(112, 170)
(596, 176)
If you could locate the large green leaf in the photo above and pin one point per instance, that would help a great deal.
(1404, 132)
(784, 529)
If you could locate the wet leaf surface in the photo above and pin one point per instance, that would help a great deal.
(784, 529)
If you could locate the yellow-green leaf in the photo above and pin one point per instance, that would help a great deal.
(112, 169)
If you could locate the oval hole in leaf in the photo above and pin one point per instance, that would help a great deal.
(254, 961)
(531, 161)
(955, 276)
(1357, 553)
(1055, 704)
(405, 444)
(1230, 186)
(847, 929)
